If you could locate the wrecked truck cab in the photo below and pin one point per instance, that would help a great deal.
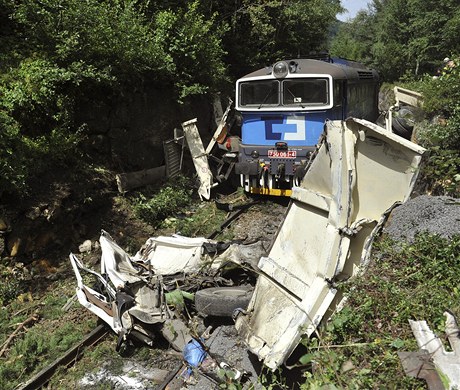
(126, 301)
(140, 296)
(360, 172)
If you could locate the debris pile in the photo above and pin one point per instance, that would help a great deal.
(171, 284)
(277, 297)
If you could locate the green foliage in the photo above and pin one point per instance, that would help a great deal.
(358, 347)
(442, 92)
(116, 44)
(13, 155)
(271, 380)
(261, 32)
(354, 39)
(28, 353)
(9, 290)
(177, 298)
(227, 376)
(200, 220)
(41, 343)
(22, 157)
(111, 36)
(192, 46)
(401, 37)
(35, 115)
(170, 199)
(440, 173)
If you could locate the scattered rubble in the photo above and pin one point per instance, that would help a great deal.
(152, 293)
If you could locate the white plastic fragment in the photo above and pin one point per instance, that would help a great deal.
(448, 362)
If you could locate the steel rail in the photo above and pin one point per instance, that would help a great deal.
(73, 354)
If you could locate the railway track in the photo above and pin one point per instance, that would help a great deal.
(73, 354)
(95, 336)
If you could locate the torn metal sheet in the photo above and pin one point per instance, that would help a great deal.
(119, 309)
(221, 130)
(447, 362)
(94, 301)
(360, 173)
(170, 255)
(200, 158)
(419, 365)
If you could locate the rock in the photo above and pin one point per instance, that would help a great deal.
(177, 333)
(85, 247)
(3, 225)
(14, 246)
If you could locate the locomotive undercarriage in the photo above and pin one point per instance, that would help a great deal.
(272, 171)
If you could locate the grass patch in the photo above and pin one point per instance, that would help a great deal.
(91, 362)
(358, 347)
(41, 341)
(201, 219)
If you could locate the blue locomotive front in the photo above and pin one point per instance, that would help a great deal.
(283, 110)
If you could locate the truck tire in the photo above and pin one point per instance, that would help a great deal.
(403, 122)
(400, 129)
(222, 301)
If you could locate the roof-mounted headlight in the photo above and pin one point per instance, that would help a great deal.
(280, 70)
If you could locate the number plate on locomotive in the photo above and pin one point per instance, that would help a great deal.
(282, 153)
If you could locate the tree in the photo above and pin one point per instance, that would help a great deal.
(354, 39)
(261, 32)
(402, 37)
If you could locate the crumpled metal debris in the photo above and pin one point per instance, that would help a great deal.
(138, 296)
(434, 357)
(360, 172)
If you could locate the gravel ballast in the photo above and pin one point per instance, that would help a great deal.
(433, 214)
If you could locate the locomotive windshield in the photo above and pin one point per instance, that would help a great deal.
(262, 92)
(301, 92)
(295, 92)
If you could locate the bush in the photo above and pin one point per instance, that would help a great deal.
(14, 169)
(193, 50)
(441, 99)
(440, 174)
(23, 157)
(168, 200)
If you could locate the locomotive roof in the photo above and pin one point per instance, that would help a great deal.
(337, 68)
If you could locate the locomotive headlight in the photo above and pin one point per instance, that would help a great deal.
(280, 70)
(255, 154)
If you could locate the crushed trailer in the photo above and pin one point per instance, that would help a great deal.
(359, 174)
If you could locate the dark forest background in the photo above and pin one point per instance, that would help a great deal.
(104, 80)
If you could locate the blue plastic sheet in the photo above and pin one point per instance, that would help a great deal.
(194, 353)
